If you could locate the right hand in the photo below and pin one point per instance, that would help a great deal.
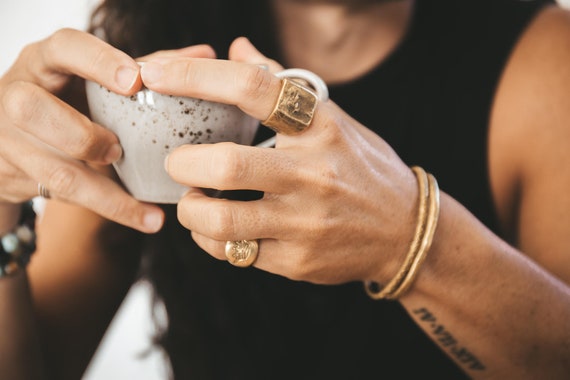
(45, 140)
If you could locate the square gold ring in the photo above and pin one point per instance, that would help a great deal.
(294, 109)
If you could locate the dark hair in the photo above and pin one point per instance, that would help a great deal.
(144, 26)
(176, 267)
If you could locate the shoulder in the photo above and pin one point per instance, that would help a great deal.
(533, 93)
(537, 72)
(548, 35)
(529, 138)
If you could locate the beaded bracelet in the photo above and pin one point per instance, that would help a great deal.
(428, 214)
(18, 245)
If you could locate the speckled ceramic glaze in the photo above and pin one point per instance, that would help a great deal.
(150, 125)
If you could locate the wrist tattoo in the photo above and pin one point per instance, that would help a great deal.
(448, 341)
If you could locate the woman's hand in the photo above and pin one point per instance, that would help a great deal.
(45, 140)
(336, 198)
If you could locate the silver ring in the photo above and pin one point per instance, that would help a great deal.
(43, 191)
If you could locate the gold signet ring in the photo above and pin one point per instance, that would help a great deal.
(242, 253)
(295, 107)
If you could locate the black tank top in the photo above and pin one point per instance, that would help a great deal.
(430, 100)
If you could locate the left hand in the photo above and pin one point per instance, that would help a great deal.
(339, 205)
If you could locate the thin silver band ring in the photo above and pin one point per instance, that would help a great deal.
(43, 191)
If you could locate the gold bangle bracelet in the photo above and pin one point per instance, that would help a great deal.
(431, 224)
(399, 278)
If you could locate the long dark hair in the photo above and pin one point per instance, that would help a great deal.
(175, 266)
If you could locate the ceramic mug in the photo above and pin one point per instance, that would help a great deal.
(150, 125)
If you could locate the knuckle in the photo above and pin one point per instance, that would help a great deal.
(28, 51)
(300, 267)
(229, 166)
(20, 102)
(85, 143)
(183, 213)
(332, 132)
(328, 181)
(256, 83)
(222, 221)
(324, 179)
(98, 60)
(58, 40)
(190, 75)
(123, 210)
(63, 181)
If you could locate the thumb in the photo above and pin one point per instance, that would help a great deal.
(242, 50)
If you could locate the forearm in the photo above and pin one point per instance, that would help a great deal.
(20, 358)
(83, 268)
(9, 214)
(492, 310)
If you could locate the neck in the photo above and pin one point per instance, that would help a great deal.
(337, 41)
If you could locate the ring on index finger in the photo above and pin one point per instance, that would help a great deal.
(294, 110)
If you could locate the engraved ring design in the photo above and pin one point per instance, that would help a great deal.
(295, 107)
(242, 253)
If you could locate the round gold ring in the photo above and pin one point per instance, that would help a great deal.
(242, 253)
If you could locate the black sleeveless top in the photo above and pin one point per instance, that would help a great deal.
(431, 101)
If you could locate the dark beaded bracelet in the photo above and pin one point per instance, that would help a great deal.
(18, 245)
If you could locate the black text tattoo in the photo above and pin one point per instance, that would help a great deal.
(447, 340)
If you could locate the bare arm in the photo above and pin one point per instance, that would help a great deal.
(79, 276)
(22, 358)
(494, 310)
(85, 263)
(45, 140)
(504, 312)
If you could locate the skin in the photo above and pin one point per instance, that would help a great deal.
(76, 283)
(515, 324)
(59, 141)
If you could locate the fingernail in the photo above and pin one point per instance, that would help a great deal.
(153, 221)
(151, 72)
(166, 162)
(126, 77)
(114, 153)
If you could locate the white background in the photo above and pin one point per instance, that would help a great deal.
(24, 21)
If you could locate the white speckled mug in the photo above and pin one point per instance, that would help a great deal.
(150, 125)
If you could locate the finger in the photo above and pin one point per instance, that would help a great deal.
(223, 219)
(16, 187)
(196, 51)
(248, 86)
(39, 113)
(273, 255)
(228, 166)
(48, 62)
(214, 247)
(242, 50)
(75, 182)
